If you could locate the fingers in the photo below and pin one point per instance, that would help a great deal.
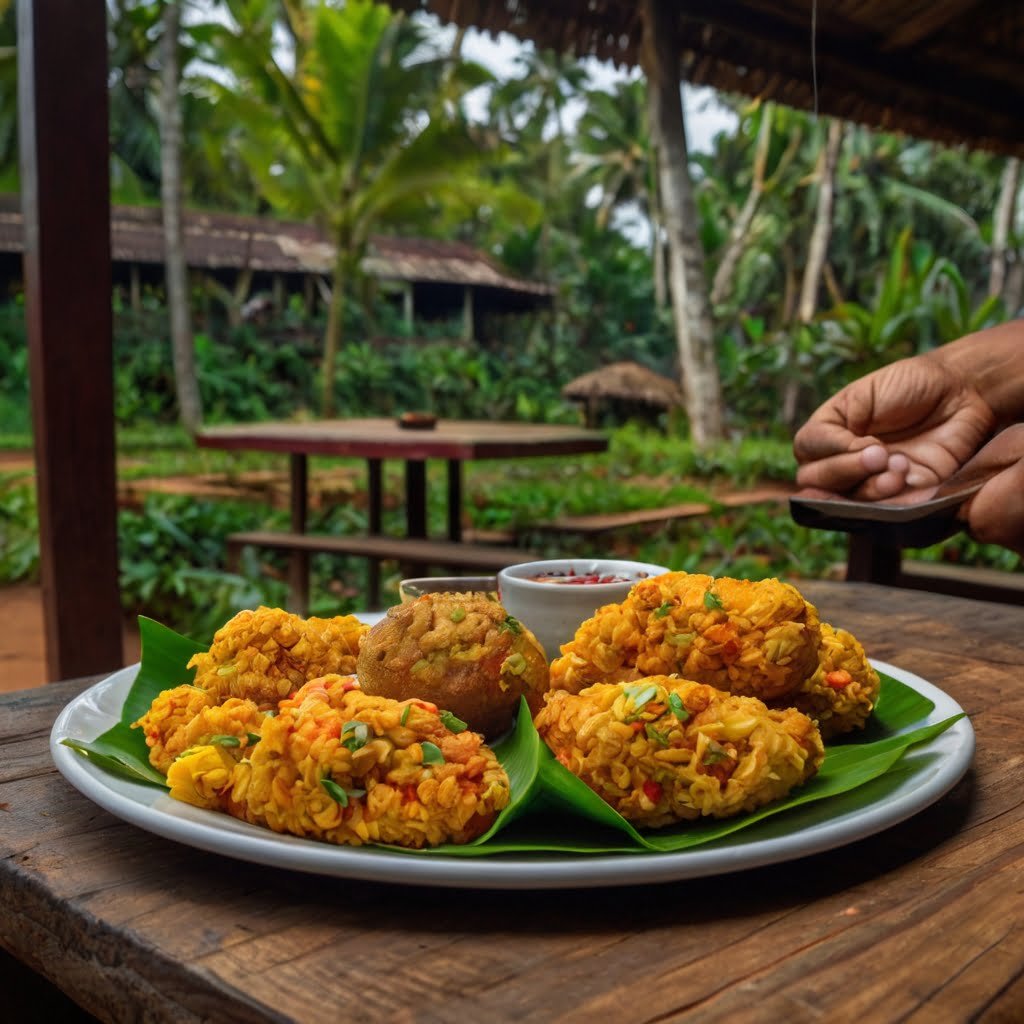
(871, 470)
(821, 438)
(995, 515)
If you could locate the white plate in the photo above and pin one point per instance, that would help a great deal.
(938, 765)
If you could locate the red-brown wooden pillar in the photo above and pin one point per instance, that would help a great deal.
(65, 202)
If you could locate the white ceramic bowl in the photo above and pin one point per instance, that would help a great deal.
(410, 589)
(554, 610)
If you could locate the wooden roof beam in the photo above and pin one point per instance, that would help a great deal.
(878, 72)
(939, 15)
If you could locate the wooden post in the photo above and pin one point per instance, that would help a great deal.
(408, 307)
(65, 201)
(298, 562)
(134, 288)
(468, 326)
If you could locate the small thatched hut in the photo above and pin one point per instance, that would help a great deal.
(626, 384)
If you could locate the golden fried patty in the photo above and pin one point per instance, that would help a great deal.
(266, 654)
(662, 750)
(339, 765)
(843, 690)
(758, 638)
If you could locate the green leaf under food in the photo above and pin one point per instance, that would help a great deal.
(552, 811)
(121, 748)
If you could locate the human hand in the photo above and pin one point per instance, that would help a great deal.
(893, 435)
(995, 515)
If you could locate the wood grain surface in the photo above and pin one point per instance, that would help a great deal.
(922, 923)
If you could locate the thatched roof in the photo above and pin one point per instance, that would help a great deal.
(627, 381)
(951, 70)
(219, 241)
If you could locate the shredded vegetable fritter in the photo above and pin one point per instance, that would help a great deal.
(843, 690)
(267, 654)
(661, 750)
(336, 764)
(757, 638)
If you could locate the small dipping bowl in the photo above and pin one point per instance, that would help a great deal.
(543, 596)
(410, 589)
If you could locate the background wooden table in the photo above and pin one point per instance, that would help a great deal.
(375, 439)
(924, 922)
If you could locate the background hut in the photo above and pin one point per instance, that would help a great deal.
(627, 387)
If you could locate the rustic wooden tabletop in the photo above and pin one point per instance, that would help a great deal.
(923, 922)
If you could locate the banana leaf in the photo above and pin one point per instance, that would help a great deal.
(551, 810)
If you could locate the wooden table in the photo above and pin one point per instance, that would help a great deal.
(921, 923)
(456, 441)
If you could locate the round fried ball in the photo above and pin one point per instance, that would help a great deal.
(462, 652)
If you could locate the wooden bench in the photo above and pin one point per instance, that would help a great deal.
(413, 553)
(606, 523)
(868, 562)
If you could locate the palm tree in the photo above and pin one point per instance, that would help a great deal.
(355, 135)
(615, 156)
(175, 269)
(688, 287)
(1003, 221)
(531, 108)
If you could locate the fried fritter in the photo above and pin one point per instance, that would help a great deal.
(339, 765)
(267, 654)
(755, 638)
(461, 652)
(235, 723)
(661, 750)
(843, 690)
(167, 718)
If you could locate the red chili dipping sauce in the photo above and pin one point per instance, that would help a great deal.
(571, 576)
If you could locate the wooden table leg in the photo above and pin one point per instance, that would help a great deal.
(416, 497)
(374, 525)
(454, 499)
(298, 564)
(869, 562)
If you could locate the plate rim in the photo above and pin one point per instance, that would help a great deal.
(146, 808)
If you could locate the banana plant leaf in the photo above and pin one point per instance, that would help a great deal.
(551, 810)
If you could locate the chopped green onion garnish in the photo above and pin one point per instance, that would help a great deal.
(513, 625)
(336, 792)
(653, 734)
(662, 610)
(360, 734)
(514, 663)
(682, 639)
(715, 753)
(405, 714)
(640, 695)
(677, 707)
(449, 721)
(253, 737)
(226, 741)
(711, 601)
(458, 614)
(432, 753)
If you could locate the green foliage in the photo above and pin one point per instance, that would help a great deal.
(19, 534)
(172, 558)
(14, 406)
